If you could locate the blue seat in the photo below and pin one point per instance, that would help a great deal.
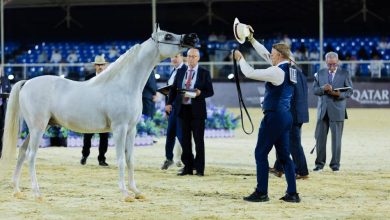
(364, 70)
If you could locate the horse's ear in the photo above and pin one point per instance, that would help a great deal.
(158, 27)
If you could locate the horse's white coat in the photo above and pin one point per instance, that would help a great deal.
(111, 101)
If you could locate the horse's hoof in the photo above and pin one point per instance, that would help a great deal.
(140, 196)
(18, 195)
(129, 199)
(39, 199)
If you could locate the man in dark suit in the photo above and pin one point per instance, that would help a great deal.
(174, 124)
(5, 88)
(100, 64)
(149, 96)
(300, 114)
(191, 108)
(331, 109)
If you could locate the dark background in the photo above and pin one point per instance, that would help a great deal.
(128, 22)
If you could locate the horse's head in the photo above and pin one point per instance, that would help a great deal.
(171, 44)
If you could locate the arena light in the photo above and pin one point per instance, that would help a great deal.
(231, 76)
(11, 77)
(157, 76)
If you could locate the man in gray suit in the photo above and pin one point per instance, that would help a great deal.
(332, 85)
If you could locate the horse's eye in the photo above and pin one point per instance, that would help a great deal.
(168, 37)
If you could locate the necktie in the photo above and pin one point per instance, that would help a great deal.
(330, 78)
(188, 83)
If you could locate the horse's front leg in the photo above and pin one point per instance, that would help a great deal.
(119, 135)
(130, 162)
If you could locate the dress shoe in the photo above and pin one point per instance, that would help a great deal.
(179, 164)
(317, 169)
(291, 197)
(167, 163)
(335, 169)
(257, 197)
(185, 172)
(83, 160)
(299, 177)
(275, 172)
(199, 174)
(103, 163)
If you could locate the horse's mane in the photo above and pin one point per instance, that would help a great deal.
(121, 63)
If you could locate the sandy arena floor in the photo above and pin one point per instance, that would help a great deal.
(361, 190)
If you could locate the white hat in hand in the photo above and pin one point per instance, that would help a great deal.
(241, 31)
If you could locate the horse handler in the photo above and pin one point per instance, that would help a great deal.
(277, 121)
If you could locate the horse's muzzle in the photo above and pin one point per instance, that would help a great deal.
(189, 40)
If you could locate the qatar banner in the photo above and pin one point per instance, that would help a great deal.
(365, 94)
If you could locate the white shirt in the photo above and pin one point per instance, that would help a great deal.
(193, 81)
(194, 74)
(172, 77)
(333, 73)
(56, 58)
(273, 74)
(72, 58)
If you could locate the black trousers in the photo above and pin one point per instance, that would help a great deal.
(2, 114)
(192, 126)
(103, 144)
(148, 107)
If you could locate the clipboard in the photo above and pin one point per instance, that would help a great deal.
(186, 90)
(164, 90)
(4, 95)
(342, 89)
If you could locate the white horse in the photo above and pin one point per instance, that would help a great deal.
(111, 101)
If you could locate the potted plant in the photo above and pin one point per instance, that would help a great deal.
(220, 123)
(57, 135)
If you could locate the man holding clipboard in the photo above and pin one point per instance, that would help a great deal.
(333, 86)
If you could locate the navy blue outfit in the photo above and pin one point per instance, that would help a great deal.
(150, 90)
(5, 88)
(174, 128)
(300, 114)
(192, 117)
(275, 131)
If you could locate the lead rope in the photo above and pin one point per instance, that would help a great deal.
(240, 99)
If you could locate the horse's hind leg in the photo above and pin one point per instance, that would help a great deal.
(130, 137)
(35, 138)
(19, 165)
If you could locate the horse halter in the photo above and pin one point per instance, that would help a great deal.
(186, 40)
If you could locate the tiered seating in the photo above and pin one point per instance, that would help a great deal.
(353, 48)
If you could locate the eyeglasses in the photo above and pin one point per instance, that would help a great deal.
(332, 64)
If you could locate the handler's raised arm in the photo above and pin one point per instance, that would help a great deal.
(261, 50)
(272, 74)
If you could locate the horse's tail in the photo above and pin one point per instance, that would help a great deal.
(11, 123)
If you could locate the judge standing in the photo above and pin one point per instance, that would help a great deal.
(331, 109)
(191, 108)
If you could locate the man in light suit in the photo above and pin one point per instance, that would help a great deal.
(191, 108)
(331, 109)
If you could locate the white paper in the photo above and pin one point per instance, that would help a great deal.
(342, 88)
(190, 94)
